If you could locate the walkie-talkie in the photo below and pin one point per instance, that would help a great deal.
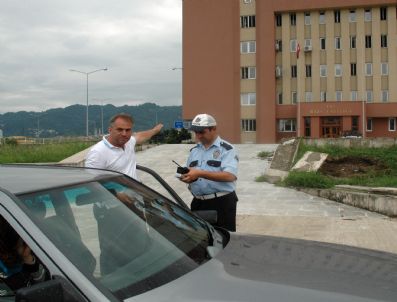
(180, 170)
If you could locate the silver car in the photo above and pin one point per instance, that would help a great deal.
(103, 236)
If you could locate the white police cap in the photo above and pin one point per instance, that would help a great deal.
(202, 121)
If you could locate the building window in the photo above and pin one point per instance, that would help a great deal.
(294, 97)
(338, 70)
(338, 95)
(308, 43)
(279, 98)
(369, 96)
(248, 99)
(368, 69)
(307, 19)
(248, 125)
(247, 1)
(384, 96)
(367, 15)
(287, 125)
(323, 70)
(279, 20)
(355, 123)
(353, 69)
(322, 43)
(383, 41)
(321, 19)
(392, 124)
(353, 95)
(308, 71)
(383, 13)
(248, 47)
(323, 96)
(352, 42)
(292, 17)
(279, 45)
(337, 43)
(369, 124)
(368, 41)
(247, 21)
(292, 45)
(337, 16)
(384, 68)
(308, 96)
(294, 71)
(352, 16)
(248, 73)
(278, 72)
(307, 127)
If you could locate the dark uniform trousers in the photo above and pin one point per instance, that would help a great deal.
(225, 207)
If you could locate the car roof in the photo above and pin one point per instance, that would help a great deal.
(19, 179)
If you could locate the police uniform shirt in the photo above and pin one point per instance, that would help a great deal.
(104, 155)
(220, 156)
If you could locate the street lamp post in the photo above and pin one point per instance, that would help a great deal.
(87, 74)
(102, 117)
(102, 100)
(181, 69)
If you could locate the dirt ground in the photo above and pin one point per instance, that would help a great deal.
(351, 166)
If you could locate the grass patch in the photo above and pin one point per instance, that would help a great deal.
(261, 178)
(384, 178)
(264, 154)
(40, 153)
(308, 180)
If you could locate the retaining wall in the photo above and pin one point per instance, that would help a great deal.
(381, 200)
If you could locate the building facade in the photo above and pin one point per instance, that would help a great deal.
(271, 69)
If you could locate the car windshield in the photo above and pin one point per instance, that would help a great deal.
(120, 233)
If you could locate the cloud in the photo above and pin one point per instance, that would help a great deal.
(138, 41)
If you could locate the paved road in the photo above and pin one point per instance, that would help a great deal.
(267, 209)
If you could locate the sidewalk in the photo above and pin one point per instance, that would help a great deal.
(266, 209)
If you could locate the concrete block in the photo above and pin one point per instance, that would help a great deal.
(311, 161)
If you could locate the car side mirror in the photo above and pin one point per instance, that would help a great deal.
(49, 291)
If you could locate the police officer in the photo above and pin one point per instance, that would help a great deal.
(212, 172)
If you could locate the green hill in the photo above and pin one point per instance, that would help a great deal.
(71, 121)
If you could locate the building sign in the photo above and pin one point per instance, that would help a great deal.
(330, 109)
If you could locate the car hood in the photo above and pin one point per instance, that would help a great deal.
(264, 268)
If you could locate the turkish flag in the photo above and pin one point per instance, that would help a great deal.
(298, 50)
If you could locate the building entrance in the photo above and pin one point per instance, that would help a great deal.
(331, 126)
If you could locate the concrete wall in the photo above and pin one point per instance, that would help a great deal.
(360, 197)
(352, 142)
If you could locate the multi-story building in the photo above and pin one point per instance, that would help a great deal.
(270, 69)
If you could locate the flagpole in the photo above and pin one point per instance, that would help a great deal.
(297, 93)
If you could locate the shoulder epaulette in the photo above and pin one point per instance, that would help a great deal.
(193, 148)
(226, 146)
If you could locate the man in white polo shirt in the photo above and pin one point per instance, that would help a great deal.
(116, 151)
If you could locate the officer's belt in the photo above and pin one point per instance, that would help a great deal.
(211, 196)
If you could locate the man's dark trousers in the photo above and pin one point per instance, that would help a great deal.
(225, 207)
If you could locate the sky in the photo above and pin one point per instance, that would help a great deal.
(139, 41)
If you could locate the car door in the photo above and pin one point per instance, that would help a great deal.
(71, 283)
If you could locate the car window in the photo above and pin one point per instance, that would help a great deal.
(120, 233)
(19, 266)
